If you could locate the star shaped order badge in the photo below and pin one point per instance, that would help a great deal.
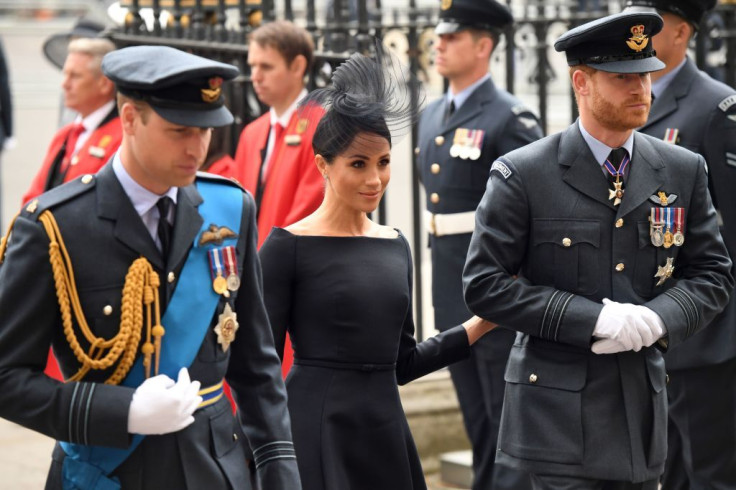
(665, 271)
(227, 325)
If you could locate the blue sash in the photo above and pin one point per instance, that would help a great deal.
(192, 305)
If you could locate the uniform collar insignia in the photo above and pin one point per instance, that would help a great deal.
(216, 234)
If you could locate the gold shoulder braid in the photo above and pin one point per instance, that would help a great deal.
(4, 240)
(141, 288)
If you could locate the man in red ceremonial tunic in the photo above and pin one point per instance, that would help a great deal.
(274, 159)
(85, 145)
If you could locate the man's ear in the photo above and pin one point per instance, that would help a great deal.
(581, 82)
(128, 116)
(299, 65)
(485, 47)
(107, 86)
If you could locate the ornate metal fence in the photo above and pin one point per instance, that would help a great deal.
(219, 29)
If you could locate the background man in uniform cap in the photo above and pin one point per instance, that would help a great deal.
(460, 135)
(85, 145)
(692, 110)
(611, 272)
(146, 212)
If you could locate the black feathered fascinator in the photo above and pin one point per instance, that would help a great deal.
(367, 94)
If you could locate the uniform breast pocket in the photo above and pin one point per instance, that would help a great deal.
(648, 258)
(466, 173)
(565, 254)
(101, 308)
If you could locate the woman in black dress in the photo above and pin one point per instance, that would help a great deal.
(341, 285)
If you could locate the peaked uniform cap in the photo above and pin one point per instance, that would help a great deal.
(182, 88)
(619, 43)
(690, 10)
(485, 15)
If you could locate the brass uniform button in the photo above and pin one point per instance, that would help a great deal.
(619, 223)
(75, 160)
(435, 168)
(533, 378)
(439, 140)
(416, 150)
(620, 267)
(171, 277)
(235, 437)
(87, 179)
(667, 379)
(434, 197)
(107, 310)
(566, 242)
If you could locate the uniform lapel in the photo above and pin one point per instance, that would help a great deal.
(668, 101)
(432, 122)
(472, 107)
(113, 204)
(186, 226)
(644, 178)
(583, 173)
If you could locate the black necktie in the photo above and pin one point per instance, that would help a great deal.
(449, 110)
(164, 205)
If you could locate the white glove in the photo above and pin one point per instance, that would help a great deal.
(607, 346)
(630, 327)
(161, 406)
(9, 143)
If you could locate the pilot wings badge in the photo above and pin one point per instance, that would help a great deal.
(216, 234)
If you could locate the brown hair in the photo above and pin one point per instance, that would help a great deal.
(287, 38)
(142, 107)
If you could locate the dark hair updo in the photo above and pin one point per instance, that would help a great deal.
(367, 95)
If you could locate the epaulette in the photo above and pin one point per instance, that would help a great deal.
(220, 179)
(727, 103)
(58, 195)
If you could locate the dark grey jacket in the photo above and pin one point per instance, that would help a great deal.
(546, 217)
(703, 111)
(104, 235)
(460, 183)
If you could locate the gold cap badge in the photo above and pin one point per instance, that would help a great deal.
(211, 94)
(446, 4)
(638, 40)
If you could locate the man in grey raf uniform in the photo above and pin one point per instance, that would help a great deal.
(614, 243)
(692, 110)
(141, 275)
(460, 135)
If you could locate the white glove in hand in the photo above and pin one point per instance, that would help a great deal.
(161, 406)
(9, 143)
(626, 327)
(607, 346)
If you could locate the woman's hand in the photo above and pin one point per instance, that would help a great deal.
(476, 327)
